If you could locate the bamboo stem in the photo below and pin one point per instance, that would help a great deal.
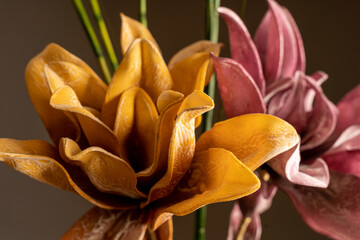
(93, 39)
(142, 12)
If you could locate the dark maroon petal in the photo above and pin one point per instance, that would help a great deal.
(239, 93)
(322, 121)
(314, 174)
(349, 110)
(277, 44)
(243, 49)
(334, 211)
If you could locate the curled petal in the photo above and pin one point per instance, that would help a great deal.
(54, 66)
(334, 211)
(100, 223)
(322, 121)
(277, 44)
(134, 127)
(239, 93)
(203, 46)
(37, 159)
(189, 74)
(131, 30)
(243, 49)
(107, 172)
(142, 66)
(349, 110)
(182, 143)
(167, 98)
(288, 104)
(215, 175)
(40, 160)
(97, 133)
(349, 140)
(314, 174)
(253, 138)
(163, 232)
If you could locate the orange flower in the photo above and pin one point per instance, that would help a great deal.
(129, 148)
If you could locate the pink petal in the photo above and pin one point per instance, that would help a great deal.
(322, 121)
(277, 44)
(289, 103)
(253, 231)
(349, 110)
(314, 174)
(243, 49)
(347, 162)
(349, 140)
(239, 93)
(334, 211)
(320, 77)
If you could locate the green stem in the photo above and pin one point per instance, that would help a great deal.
(104, 33)
(93, 39)
(243, 8)
(142, 12)
(212, 34)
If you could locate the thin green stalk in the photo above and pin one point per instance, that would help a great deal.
(93, 39)
(243, 8)
(142, 12)
(104, 33)
(212, 34)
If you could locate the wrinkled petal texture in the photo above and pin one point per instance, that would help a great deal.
(334, 211)
(253, 138)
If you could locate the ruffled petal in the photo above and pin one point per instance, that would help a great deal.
(97, 133)
(239, 93)
(215, 175)
(243, 49)
(142, 66)
(107, 172)
(313, 174)
(100, 223)
(131, 30)
(54, 66)
(163, 232)
(322, 121)
(134, 127)
(37, 159)
(253, 138)
(334, 211)
(182, 143)
(349, 110)
(277, 44)
(203, 46)
(40, 160)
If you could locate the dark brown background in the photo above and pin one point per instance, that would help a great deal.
(32, 210)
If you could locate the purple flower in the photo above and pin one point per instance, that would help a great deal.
(267, 75)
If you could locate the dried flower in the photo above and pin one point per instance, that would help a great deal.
(129, 148)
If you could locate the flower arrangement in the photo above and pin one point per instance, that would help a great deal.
(128, 145)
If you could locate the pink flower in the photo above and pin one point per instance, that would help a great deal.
(267, 75)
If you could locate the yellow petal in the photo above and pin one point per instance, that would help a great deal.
(40, 160)
(168, 98)
(253, 138)
(131, 30)
(95, 131)
(135, 127)
(182, 143)
(163, 232)
(203, 46)
(215, 175)
(99, 223)
(142, 66)
(38, 83)
(36, 159)
(107, 172)
(189, 74)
